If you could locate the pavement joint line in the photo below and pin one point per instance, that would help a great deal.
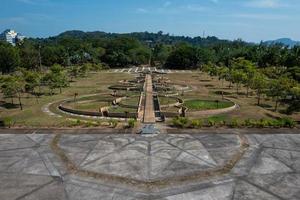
(88, 154)
(35, 190)
(263, 189)
(281, 161)
(210, 164)
(282, 149)
(21, 148)
(149, 185)
(103, 156)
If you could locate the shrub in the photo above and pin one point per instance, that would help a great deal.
(262, 123)
(249, 122)
(196, 123)
(288, 122)
(8, 122)
(113, 123)
(211, 122)
(180, 122)
(131, 123)
(235, 123)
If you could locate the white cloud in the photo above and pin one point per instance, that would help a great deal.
(265, 4)
(261, 16)
(142, 10)
(195, 8)
(34, 2)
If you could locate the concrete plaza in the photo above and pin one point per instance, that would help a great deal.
(268, 169)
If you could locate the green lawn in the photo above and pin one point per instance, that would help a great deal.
(167, 100)
(196, 104)
(132, 100)
(32, 114)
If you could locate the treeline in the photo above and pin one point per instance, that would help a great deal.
(272, 82)
(38, 83)
(76, 48)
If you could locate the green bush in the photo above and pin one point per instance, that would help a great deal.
(211, 122)
(235, 123)
(262, 123)
(180, 122)
(288, 122)
(131, 123)
(8, 122)
(196, 123)
(113, 123)
(250, 123)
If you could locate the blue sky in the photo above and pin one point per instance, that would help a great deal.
(251, 20)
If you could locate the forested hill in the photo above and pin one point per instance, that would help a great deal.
(154, 38)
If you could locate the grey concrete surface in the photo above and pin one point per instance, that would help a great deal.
(270, 168)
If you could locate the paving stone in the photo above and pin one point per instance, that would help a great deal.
(268, 170)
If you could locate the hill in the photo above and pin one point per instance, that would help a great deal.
(285, 41)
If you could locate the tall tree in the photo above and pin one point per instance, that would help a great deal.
(9, 58)
(259, 84)
(13, 86)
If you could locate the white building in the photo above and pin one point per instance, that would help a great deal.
(11, 37)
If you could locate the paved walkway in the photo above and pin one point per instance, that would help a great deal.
(149, 115)
(269, 169)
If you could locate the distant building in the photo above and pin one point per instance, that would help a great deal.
(11, 37)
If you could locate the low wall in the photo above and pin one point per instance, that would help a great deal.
(80, 112)
(212, 112)
(97, 114)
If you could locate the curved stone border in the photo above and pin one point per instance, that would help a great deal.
(204, 112)
(213, 111)
(78, 114)
(177, 104)
(154, 185)
(46, 110)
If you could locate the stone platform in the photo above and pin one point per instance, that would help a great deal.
(30, 169)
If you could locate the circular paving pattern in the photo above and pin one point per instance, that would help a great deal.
(150, 161)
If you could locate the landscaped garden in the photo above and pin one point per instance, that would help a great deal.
(196, 104)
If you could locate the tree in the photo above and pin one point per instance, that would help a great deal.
(279, 89)
(32, 80)
(54, 54)
(56, 78)
(73, 72)
(247, 69)
(259, 84)
(183, 57)
(294, 103)
(9, 58)
(238, 77)
(161, 53)
(222, 73)
(29, 56)
(12, 86)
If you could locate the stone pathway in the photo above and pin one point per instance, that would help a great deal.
(149, 115)
(270, 168)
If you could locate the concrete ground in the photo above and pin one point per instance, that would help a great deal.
(269, 169)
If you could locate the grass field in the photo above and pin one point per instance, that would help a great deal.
(32, 114)
(196, 104)
(166, 100)
(132, 100)
(208, 88)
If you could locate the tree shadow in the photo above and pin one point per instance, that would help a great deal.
(202, 80)
(224, 93)
(8, 105)
(266, 106)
